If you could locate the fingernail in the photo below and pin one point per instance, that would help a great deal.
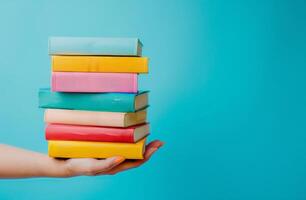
(119, 159)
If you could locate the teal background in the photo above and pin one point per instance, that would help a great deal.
(228, 95)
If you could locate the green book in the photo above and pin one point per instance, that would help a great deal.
(109, 102)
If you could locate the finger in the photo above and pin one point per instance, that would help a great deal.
(105, 165)
(132, 164)
(156, 144)
(150, 149)
(149, 153)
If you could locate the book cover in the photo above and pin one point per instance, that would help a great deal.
(96, 133)
(95, 118)
(114, 64)
(111, 102)
(94, 82)
(82, 149)
(95, 46)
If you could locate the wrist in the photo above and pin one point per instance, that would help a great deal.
(56, 168)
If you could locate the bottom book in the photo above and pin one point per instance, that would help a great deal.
(82, 149)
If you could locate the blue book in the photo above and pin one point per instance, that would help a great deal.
(109, 102)
(95, 46)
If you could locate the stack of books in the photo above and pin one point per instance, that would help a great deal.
(94, 108)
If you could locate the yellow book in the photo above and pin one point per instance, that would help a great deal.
(84, 149)
(99, 64)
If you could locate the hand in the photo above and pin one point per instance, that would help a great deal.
(109, 166)
(22, 163)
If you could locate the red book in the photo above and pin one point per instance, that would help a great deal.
(96, 133)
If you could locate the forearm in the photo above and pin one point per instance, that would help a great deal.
(19, 163)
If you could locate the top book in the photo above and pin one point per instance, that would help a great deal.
(95, 46)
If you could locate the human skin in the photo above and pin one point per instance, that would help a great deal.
(20, 163)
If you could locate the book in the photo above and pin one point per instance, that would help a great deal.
(95, 118)
(96, 133)
(83, 149)
(99, 64)
(111, 102)
(95, 46)
(94, 82)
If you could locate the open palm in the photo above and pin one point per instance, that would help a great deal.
(109, 166)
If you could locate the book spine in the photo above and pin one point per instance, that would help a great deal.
(99, 64)
(83, 149)
(110, 102)
(89, 133)
(94, 46)
(94, 82)
(87, 118)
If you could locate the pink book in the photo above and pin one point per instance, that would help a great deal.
(94, 82)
